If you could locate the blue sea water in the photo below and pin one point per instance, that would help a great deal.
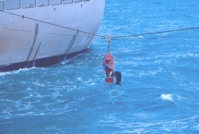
(160, 78)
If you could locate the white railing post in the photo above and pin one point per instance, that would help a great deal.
(4, 5)
(3, 2)
(20, 4)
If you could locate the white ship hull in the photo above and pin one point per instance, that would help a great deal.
(48, 34)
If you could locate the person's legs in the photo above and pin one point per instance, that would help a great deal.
(118, 76)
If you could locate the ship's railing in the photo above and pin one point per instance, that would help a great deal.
(2, 7)
(18, 4)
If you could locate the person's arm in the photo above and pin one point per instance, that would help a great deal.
(107, 66)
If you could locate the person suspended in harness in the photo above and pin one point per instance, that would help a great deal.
(110, 72)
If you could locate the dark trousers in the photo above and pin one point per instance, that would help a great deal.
(118, 76)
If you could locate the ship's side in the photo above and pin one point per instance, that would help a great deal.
(45, 32)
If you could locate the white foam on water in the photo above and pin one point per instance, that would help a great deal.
(18, 71)
(39, 84)
(5, 73)
(181, 98)
(168, 97)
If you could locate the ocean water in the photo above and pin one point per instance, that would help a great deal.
(160, 78)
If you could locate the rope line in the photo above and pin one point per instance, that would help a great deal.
(104, 37)
(100, 36)
(169, 37)
(29, 31)
(53, 24)
(152, 33)
(118, 97)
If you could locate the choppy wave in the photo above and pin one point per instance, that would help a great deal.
(168, 97)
